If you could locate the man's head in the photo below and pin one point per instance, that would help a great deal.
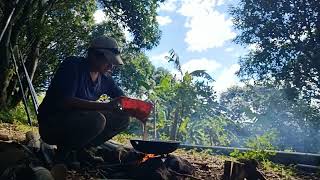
(104, 54)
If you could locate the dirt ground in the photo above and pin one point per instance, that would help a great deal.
(211, 167)
(207, 166)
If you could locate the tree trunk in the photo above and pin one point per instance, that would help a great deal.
(173, 134)
(12, 88)
(5, 79)
(6, 72)
(167, 128)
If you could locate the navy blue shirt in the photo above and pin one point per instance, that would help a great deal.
(73, 79)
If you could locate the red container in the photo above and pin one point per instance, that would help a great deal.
(136, 108)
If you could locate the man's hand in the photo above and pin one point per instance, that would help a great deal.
(114, 105)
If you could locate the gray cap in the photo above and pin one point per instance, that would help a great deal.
(109, 47)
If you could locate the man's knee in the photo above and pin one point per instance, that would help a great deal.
(125, 119)
(97, 121)
(118, 121)
(121, 121)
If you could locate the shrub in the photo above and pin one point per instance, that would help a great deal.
(259, 146)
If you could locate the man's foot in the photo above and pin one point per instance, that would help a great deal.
(67, 157)
(87, 156)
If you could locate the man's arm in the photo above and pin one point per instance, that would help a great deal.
(81, 104)
(111, 88)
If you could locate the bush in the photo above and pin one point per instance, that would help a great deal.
(259, 145)
(17, 114)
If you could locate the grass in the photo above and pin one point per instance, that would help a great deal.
(286, 172)
(23, 127)
(18, 115)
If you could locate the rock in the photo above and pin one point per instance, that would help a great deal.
(4, 137)
(59, 172)
(32, 140)
(10, 154)
(42, 173)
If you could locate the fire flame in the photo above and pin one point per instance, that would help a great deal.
(148, 156)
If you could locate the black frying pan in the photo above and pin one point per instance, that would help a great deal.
(155, 147)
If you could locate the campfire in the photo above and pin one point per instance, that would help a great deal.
(136, 165)
(148, 156)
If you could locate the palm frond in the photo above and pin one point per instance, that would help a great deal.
(201, 73)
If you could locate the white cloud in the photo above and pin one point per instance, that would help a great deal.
(201, 64)
(168, 5)
(164, 20)
(236, 55)
(159, 60)
(227, 79)
(220, 2)
(209, 65)
(99, 16)
(207, 28)
(230, 49)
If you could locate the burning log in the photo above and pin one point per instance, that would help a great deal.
(117, 154)
(153, 168)
(163, 168)
(148, 156)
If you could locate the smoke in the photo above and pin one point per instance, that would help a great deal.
(265, 109)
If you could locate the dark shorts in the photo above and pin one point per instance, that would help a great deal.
(78, 129)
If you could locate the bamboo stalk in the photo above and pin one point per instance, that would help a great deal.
(8, 21)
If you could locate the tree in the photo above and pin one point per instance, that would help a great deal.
(212, 131)
(182, 96)
(136, 76)
(139, 17)
(52, 40)
(286, 39)
(15, 16)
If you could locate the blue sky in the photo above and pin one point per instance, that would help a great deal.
(201, 33)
